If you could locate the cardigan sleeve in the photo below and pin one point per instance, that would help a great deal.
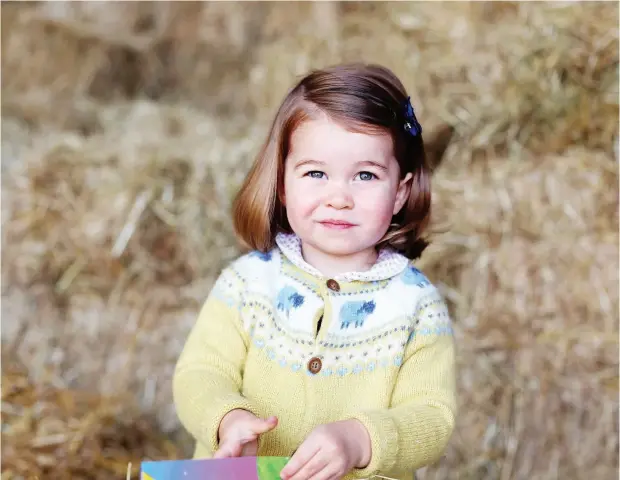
(415, 430)
(208, 375)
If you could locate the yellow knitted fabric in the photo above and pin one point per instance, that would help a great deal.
(386, 351)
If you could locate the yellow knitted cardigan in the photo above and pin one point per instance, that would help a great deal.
(275, 337)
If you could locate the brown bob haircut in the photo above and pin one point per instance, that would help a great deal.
(364, 99)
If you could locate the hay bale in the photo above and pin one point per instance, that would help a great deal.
(530, 266)
(111, 244)
(51, 431)
(85, 177)
(105, 53)
(497, 72)
(510, 77)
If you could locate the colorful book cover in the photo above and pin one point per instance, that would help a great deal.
(241, 468)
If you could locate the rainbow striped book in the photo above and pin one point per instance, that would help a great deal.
(241, 468)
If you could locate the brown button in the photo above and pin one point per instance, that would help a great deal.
(333, 285)
(314, 365)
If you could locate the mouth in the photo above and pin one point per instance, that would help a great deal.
(337, 224)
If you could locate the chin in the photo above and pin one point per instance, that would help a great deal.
(341, 248)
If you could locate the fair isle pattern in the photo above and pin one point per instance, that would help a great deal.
(389, 262)
(433, 316)
(367, 326)
(343, 356)
(229, 288)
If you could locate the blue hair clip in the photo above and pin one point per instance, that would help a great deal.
(412, 126)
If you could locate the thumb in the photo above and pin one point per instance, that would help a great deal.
(261, 425)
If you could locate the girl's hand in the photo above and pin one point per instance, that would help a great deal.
(330, 452)
(239, 431)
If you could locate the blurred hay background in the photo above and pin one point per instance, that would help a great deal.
(127, 127)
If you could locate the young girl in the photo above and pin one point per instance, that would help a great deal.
(324, 343)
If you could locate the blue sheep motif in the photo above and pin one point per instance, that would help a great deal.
(413, 276)
(355, 312)
(288, 298)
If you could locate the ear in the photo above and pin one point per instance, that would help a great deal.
(402, 194)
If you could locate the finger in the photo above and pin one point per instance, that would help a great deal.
(299, 459)
(263, 425)
(315, 469)
(228, 450)
(331, 471)
(250, 449)
(256, 428)
(331, 474)
(327, 474)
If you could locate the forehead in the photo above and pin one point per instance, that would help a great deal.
(323, 139)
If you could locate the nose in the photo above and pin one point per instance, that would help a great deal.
(339, 197)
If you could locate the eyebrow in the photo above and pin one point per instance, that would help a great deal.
(308, 161)
(367, 163)
(364, 163)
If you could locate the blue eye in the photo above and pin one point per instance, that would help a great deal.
(367, 176)
(315, 174)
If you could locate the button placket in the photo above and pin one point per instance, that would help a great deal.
(334, 286)
(315, 364)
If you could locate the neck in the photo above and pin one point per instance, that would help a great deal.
(332, 265)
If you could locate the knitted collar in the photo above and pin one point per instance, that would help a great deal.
(389, 262)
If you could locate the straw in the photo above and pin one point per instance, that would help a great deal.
(51, 431)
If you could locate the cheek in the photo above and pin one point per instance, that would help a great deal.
(378, 204)
(300, 206)
(300, 199)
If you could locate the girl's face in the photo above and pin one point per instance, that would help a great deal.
(341, 190)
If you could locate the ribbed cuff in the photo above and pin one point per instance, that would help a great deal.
(228, 403)
(383, 433)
